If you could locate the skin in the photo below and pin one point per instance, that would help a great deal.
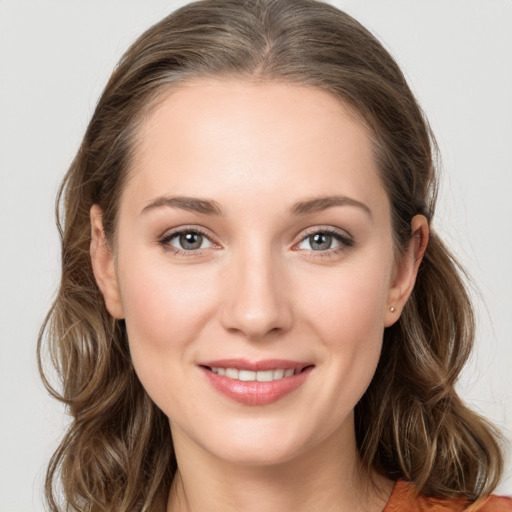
(257, 289)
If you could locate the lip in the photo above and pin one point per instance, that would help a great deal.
(266, 364)
(255, 392)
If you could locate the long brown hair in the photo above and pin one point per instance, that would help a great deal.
(117, 453)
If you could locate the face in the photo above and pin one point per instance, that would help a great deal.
(254, 267)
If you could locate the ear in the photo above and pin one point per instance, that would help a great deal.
(102, 259)
(406, 270)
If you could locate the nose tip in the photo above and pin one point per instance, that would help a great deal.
(257, 305)
(254, 324)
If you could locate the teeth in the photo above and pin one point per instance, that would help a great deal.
(246, 375)
(232, 373)
(278, 374)
(250, 376)
(265, 376)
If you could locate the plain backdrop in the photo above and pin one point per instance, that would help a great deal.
(55, 58)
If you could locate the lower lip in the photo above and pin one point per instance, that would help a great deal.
(254, 392)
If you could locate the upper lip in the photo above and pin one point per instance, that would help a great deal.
(264, 364)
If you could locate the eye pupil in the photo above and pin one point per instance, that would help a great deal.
(320, 241)
(191, 241)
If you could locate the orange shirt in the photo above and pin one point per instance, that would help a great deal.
(402, 499)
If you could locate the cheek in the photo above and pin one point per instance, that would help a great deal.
(165, 307)
(349, 301)
(348, 315)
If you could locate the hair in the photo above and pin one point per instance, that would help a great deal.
(117, 452)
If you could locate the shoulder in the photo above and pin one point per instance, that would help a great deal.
(493, 504)
(404, 499)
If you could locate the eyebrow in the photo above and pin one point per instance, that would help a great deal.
(210, 207)
(318, 204)
(192, 204)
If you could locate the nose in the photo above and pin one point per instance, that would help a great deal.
(257, 303)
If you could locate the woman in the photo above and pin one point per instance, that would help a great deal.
(254, 312)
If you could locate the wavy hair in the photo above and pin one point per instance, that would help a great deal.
(117, 453)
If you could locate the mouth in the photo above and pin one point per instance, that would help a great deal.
(258, 383)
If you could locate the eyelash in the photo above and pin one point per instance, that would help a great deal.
(344, 240)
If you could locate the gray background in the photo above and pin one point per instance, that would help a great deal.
(55, 57)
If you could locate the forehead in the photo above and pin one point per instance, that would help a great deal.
(213, 138)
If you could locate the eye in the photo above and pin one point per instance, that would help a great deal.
(324, 240)
(189, 240)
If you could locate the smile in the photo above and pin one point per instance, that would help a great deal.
(257, 383)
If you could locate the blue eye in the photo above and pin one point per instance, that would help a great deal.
(188, 241)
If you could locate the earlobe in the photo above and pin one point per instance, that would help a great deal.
(102, 259)
(407, 269)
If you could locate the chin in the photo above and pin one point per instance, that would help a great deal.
(254, 442)
(268, 454)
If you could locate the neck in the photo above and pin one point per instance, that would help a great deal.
(329, 478)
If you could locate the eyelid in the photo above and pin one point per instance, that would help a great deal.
(192, 228)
